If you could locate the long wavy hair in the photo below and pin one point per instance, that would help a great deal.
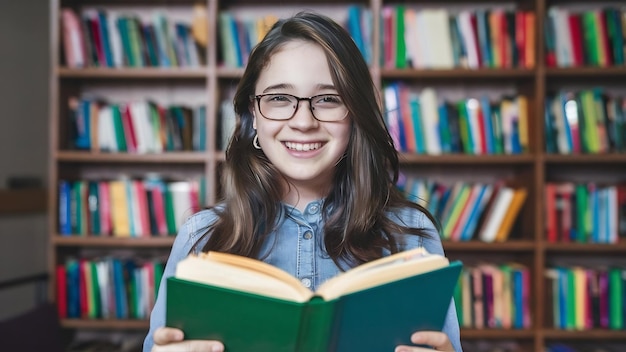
(363, 193)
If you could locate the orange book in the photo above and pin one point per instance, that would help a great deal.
(519, 196)
(529, 51)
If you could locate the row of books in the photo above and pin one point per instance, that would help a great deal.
(107, 38)
(494, 296)
(107, 288)
(127, 207)
(422, 123)
(587, 298)
(436, 38)
(585, 121)
(468, 211)
(238, 34)
(585, 212)
(135, 127)
(593, 37)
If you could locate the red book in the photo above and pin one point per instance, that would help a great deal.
(94, 24)
(479, 305)
(61, 291)
(474, 23)
(142, 204)
(106, 223)
(158, 202)
(575, 28)
(520, 37)
(129, 129)
(82, 290)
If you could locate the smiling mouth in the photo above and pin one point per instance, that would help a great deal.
(302, 147)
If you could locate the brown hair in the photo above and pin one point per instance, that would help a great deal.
(358, 228)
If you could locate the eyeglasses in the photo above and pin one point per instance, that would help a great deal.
(324, 107)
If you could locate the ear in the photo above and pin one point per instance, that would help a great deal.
(253, 110)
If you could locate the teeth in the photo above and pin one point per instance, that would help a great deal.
(303, 146)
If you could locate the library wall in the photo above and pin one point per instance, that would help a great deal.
(23, 142)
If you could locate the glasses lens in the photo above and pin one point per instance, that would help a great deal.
(277, 106)
(328, 107)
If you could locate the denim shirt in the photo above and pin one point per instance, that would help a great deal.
(296, 246)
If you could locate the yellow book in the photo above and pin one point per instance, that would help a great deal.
(522, 108)
(119, 208)
(519, 196)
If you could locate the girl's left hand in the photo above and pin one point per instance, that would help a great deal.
(437, 340)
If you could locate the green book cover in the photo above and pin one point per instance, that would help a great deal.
(118, 125)
(399, 37)
(582, 206)
(372, 319)
(616, 296)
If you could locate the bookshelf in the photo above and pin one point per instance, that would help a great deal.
(531, 169)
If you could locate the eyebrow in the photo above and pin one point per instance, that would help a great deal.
(291, 86)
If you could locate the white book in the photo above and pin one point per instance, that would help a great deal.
(115, 39)
(439, 39)
(469, 39)
(430, 120)
(495, 214)
(181, 200)
(106, 130)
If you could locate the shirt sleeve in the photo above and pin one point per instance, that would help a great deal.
(186, 238)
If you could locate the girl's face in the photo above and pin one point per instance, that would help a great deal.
(304, 149)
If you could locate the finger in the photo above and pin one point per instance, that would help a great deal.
(190, 346)
(438, 340)
(163, 336)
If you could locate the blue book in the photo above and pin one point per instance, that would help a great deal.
(477, 211)
(104, 35)
(73, 288)
(484, 39)
(444, 129)
(121, 303)
(65, 224)
(417, 123)
(82, 124)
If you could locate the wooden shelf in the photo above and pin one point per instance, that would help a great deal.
(100, 241)
(497, 333)
(592, 248)
(613, 71)
(609, 158)
(465, 159)
(170, 157)
(509, 246)
(594, 334)
(22, 201)
(135, 73)
(130, 324)
(458, 73)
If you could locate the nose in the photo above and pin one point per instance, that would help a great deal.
(303, 119)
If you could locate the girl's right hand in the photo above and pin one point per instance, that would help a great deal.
(171, 340)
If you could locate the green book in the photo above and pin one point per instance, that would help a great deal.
(258, 307)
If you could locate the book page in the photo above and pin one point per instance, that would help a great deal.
(243, 274)
(384, 270)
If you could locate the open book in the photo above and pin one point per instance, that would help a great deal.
(252, 306)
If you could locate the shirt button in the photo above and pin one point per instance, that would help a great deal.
(306, 282)
(314, 209)
(308, 235)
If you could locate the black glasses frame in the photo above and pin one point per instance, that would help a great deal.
(298, 100)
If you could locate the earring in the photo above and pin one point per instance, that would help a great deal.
(255, 142)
